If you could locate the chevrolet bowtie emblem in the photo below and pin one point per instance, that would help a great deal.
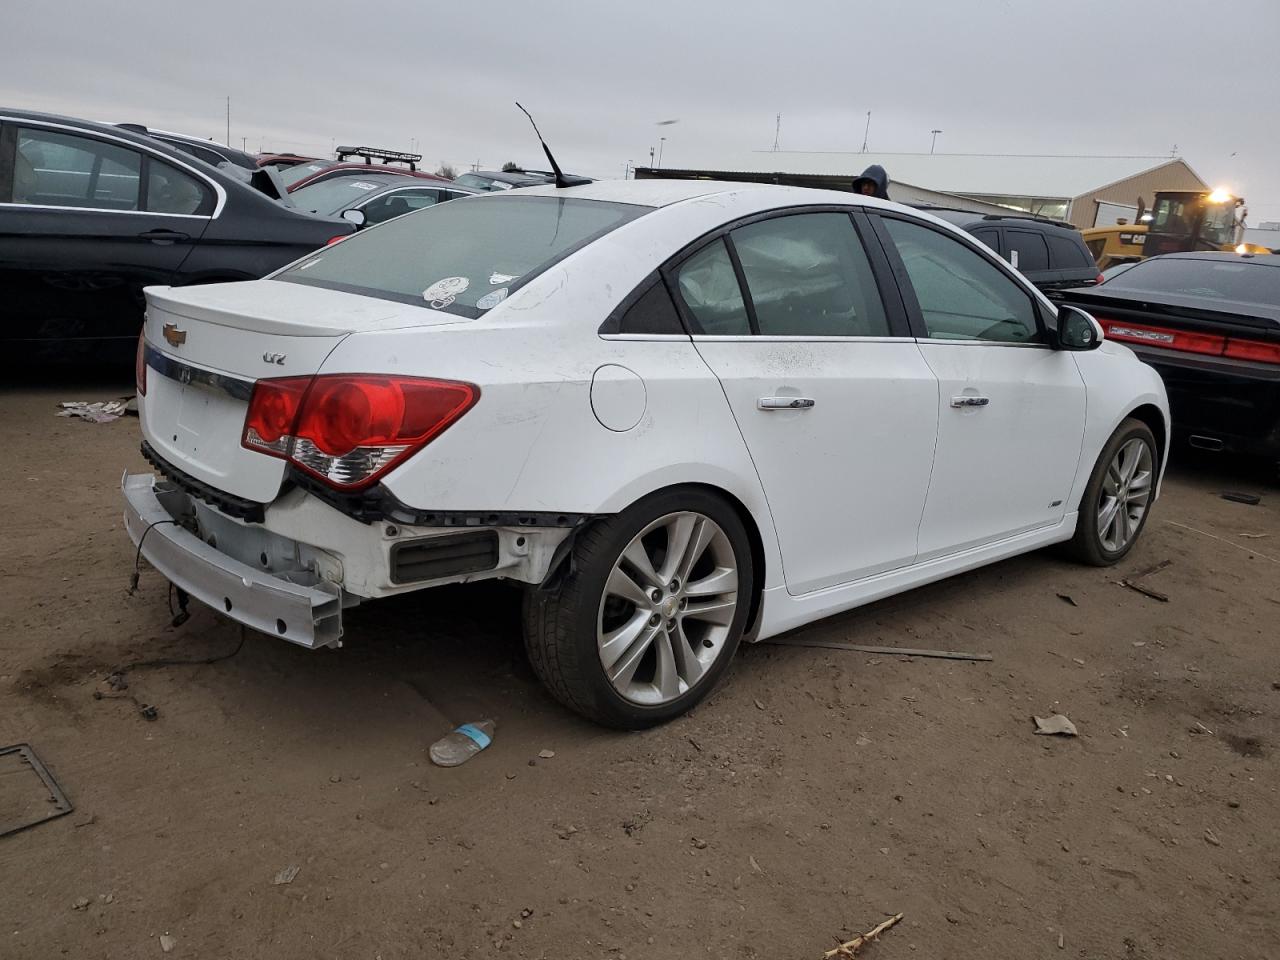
(175, 336)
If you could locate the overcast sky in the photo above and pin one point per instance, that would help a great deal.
(996, 76)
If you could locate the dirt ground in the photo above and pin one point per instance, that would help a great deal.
(815, 793)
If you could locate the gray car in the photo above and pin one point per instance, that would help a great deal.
(377, 198)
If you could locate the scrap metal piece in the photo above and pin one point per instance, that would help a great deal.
(60, 806)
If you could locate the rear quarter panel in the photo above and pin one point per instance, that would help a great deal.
(533, 442)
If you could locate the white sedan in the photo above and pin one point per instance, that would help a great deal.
(680, 413)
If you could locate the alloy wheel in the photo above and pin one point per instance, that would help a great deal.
(1125, 496)
(667, 608)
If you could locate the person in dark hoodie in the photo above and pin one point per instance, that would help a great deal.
(874, 182)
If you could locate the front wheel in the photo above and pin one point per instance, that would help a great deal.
(1118, 497)
(648, 617)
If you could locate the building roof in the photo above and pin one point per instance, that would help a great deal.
(1008, 175)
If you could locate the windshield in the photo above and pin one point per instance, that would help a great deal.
(463, 257)
(301, 171)
(339, 193)
(1219, 223)
(1228, 278)
(477, 182)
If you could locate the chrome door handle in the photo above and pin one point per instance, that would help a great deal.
(970, 401)
(784, 403)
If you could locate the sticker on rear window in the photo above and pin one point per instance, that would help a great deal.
(497, 278)
(361, 185)
(443, 292)
(491, 299)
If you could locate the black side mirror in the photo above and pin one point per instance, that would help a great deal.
(354, 216)
(1077, 330)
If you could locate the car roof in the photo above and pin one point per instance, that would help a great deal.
(661, 193)
(110, 129)
(153, 144)
(1263, 259)
(373, 168)
(512, 176)
(969, 218)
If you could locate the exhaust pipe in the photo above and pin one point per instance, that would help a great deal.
(1205, 443)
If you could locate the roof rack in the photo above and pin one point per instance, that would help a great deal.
(1028, 216)
(371, 154)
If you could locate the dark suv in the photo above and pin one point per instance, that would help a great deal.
(1049, 253)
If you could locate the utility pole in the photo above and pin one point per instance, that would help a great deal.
(934, 141)
(866, 133)
(228, 121)
(777, 132)
(662, 142)
(651, 156)
(244, 144)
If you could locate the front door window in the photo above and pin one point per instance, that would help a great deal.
(962, 295)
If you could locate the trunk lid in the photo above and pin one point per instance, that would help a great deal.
(206, 347)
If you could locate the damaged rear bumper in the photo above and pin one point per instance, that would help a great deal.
(297, 605)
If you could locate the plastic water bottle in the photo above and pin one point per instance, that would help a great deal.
(460, 745)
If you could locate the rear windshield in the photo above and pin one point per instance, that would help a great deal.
(462, 257)
(335, 195)
(1226, 279)
(477, 182)
(300, 171)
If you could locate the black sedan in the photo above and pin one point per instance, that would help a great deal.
(91, 213)
(1210, 324)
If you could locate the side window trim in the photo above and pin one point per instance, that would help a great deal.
(744, 288)
(915, 314)
(892, 297)
(8, 158)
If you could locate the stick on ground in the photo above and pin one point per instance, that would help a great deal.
(889, 651)
(851, 947)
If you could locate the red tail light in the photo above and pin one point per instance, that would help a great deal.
(332, 240)
(350, 429)
(1237, 348)
(140, 366)
(1253, 350)
(1149, 336)
(1101, 279)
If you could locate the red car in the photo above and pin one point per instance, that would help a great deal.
(304, 174)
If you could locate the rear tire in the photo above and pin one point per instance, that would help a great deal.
(1118, 498)
(647, 618)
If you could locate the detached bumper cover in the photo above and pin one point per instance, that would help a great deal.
(295, 605)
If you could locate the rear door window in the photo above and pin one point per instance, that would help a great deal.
(808, 276)
(462, 258)
(1069, 254)
(988, 236)
(170, 190)
(64, 170)
(1030, 247)
(709, 288)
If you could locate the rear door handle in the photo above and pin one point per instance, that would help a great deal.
(784, 403)
(163, 236)
(970, 401)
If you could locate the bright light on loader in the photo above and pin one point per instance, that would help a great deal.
(1220, 195)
